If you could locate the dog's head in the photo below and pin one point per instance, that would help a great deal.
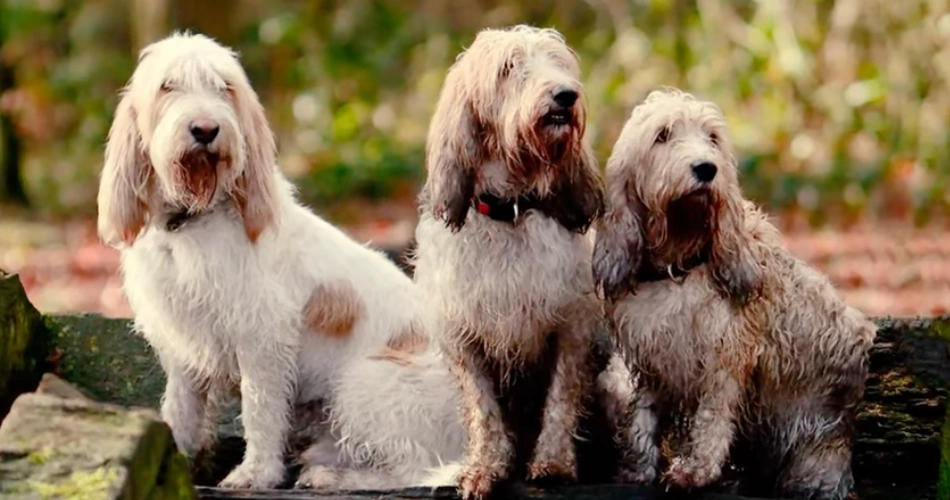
(512, 98)
(189, 133)
(673, 194)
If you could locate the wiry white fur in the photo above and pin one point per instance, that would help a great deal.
(221, 309)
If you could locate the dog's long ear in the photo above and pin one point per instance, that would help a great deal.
(735, 271)
(123, 183)
(452, 153)
(255, 193)
(579, 194)
(619, 237)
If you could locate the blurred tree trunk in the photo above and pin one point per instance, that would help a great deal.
(155, 19)
(214, 18)
(150, 21)
(11, 182)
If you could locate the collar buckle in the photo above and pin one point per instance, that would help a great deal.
(678, 280)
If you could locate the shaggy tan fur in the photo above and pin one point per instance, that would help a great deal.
(510, 123)
(721, 325)
(333, 309)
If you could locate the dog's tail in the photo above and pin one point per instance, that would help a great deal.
(444, 475)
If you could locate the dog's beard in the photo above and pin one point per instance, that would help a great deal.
(555, 142)
(688, 228)
(197, 175)
(691, 216)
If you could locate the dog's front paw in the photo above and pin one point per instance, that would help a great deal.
(318, 477)
(476, 482)
(636, 474)
(552, 471)
(689, 473)
(255, 476)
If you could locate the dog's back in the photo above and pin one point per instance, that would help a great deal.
(808, 331)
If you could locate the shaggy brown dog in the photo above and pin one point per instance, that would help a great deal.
(501, 249)
(720, 323)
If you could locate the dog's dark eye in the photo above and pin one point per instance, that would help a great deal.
(714, 138)
(228, 89)
(663, 135)
(166, 87)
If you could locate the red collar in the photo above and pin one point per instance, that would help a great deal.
(505, 209)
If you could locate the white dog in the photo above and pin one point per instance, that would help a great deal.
(236, 285)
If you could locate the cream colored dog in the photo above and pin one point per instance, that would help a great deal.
(721, 325)
(237, 286)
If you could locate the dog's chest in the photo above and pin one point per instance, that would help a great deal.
(193, 295)
(513, 283)
(672, 332)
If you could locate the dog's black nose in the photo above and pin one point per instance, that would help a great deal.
(565, 98)
(204, 131)
(705, 171)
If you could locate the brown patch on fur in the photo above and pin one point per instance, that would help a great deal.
(406, 344)
(411, 340)
(333, 309)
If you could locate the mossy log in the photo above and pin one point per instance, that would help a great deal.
(56, 443)
(902, 448)
(24, 342)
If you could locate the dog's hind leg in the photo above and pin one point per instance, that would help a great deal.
(331, 478)
(819, 469)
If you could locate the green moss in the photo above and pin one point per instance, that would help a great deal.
(941, 327)
(149, 454)
(80, 485)
(107, 360)
(175, 483)
(41, 456)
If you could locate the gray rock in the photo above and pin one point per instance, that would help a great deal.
(53, 447)
(55, 386)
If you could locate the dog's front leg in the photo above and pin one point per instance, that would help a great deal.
(268, 376)
(711, 433)
(639, 449)
(554, 454)
(490, 450)
(183, 409)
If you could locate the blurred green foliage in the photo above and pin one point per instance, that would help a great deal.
(839, 108)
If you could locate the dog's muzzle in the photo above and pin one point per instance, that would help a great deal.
(562, 113)
(704, 171)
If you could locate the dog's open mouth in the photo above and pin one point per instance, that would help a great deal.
(558, 117)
